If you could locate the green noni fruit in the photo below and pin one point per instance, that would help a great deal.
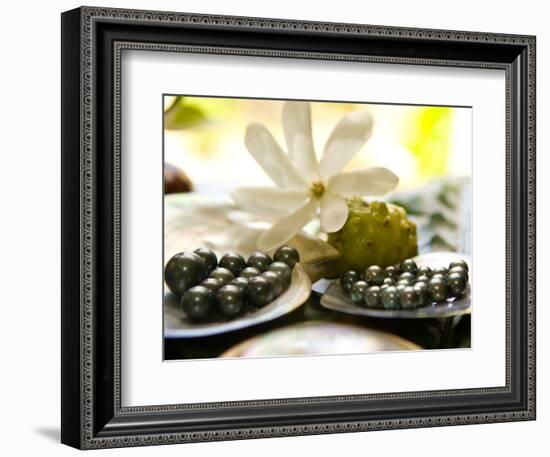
(375, 233)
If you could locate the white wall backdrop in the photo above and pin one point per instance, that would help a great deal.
(30, 229)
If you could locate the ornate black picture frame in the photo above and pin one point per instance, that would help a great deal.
(92, 42)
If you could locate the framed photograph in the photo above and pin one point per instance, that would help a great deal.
(274, 227)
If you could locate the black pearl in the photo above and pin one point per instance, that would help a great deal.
(459, 263)
(457, 284)
(250, 272)
(421, 289)
(348, 279)
(277, 282)
(212, 284)
(357, 293)
(260, 291)
(401, 285)
(259, 260)
(372, 296)
(409, 266)
(233, 262)
(390, 297)
(437, 289)
(196, 302)
(459, 270)
(422, 278)
(284, 270)
(183, 271)
(423, 284)
(424, 271)
(391, 272)
(406, 282)
(406, 276)
(408, 298)
(388, 282)
(240, 282)
(440, 276)
(374, 275)
(222, 274)
(229, 300)
(439, 270)
(209, 257)
(288, 255)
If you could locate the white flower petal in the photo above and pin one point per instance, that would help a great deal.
(269, 155)
(375, 181)
(297, 128)
(334, 212)
(346, 139)
(232, 236)
(269, 201)
(287, 227)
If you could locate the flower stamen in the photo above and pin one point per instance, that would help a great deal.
(317, 189)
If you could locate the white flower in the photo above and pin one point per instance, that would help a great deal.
(306, 187)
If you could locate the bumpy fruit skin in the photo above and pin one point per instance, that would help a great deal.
(375, 233)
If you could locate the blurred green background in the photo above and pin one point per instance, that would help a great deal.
(205, 138)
